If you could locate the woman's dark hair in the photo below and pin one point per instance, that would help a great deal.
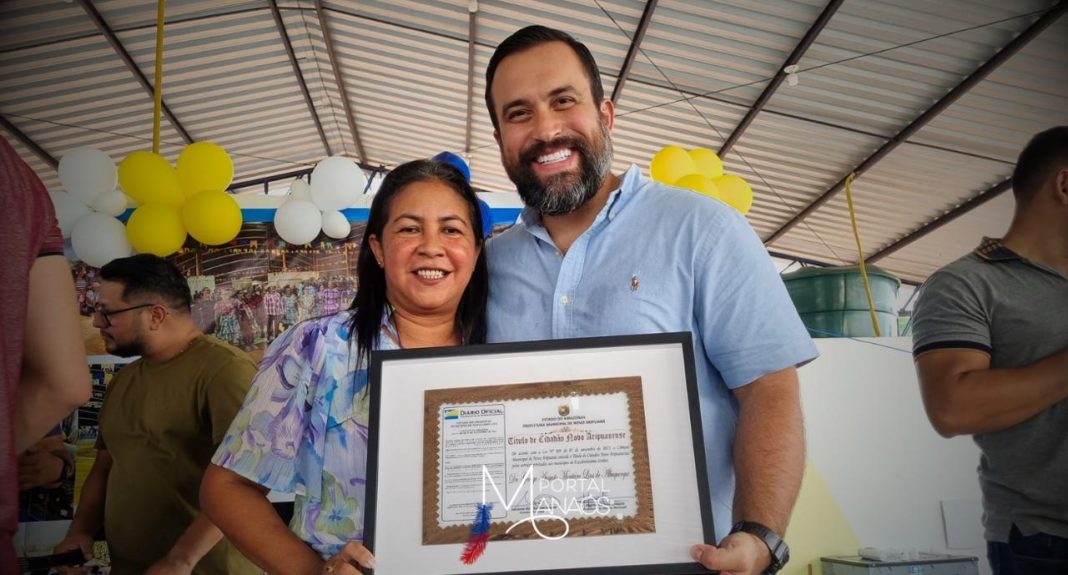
(370, 301)
(146, 275)
(529, 37)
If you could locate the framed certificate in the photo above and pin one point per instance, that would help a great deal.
(579, 456)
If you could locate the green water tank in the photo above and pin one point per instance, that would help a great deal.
(832, 303)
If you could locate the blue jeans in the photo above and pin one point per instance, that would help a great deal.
(1038, 554)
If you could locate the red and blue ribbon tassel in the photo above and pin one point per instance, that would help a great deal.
(476, 541)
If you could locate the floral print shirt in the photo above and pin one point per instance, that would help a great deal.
(303, 428)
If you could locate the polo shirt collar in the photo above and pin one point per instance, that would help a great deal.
(991, 249)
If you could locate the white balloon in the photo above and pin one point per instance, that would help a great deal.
(298, 221)
(97, 239)
(336, 225)
(299, 190)
(111, 203)
(336, 182)
(86, 172)
(68, 210)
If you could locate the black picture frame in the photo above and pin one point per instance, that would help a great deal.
(381, 361)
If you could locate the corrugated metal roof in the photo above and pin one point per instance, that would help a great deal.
(874, 68)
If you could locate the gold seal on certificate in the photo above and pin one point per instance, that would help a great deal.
(554, 459)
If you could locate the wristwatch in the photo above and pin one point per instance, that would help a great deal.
(780, 552)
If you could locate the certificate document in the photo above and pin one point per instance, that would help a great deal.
(554, 459)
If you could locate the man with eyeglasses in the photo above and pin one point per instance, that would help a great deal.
(162, 419)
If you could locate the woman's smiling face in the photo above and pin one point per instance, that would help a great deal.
(427, 248)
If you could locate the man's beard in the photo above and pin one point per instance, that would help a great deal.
(128, 349)
(566, 192)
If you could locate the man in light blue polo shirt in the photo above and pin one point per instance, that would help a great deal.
(597, 254)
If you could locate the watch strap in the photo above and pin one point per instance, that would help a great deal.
(780, 552)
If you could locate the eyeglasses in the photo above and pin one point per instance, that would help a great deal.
(107, 314)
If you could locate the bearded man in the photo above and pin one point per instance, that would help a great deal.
(598, 254)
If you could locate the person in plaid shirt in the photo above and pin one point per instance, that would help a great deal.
(272, 303)
(331, 299)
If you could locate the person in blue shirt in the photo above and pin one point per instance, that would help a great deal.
(598, 254)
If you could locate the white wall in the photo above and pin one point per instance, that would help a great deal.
(871, 442)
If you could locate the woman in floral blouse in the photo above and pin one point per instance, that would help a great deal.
(303, 427)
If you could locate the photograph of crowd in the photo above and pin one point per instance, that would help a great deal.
(249, 291)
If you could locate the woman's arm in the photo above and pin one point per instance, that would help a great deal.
(240, 509)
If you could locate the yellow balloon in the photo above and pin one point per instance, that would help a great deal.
(204, 166)
(707, 162)
(699, 184)
(149, 178)
(670, 164)
(156, 229)
(735, 192)
(212, 217)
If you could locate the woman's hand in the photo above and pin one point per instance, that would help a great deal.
(351, 556)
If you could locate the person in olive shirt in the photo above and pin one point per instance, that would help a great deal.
(162, 419)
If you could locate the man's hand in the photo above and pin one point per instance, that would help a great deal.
(38, 467)
(738, 554)
(75, 541)
(170, 566)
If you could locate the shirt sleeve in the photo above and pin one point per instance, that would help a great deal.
(53, 242)
(949, 313)
(748, 323)
(265, 442)
(225, 393)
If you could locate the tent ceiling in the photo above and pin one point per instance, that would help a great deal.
(883, 86)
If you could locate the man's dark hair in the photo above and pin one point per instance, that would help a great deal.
(1044, 154)
(146, 275)
(370, 301)
(530, 37)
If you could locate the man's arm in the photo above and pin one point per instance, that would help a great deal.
(191, 547)
(769, 461)
(769, 450)
(90, 514)
(963, 395)
(55, 375)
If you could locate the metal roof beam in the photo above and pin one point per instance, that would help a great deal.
(112, 39)
(300, 75)
(268, 179)
(472, 27)
(178, 20)
(780, 76)
(295, 174)
(29, 143)
(346, 104)
(632, 52)
(959, 90)
(974, 202)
